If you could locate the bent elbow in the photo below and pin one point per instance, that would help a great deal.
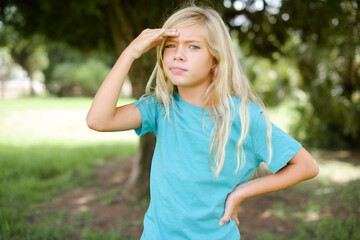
(94, 125)
(313, 170)
(91, 124)
(316, 170)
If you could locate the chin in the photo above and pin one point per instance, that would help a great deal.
(177, 82)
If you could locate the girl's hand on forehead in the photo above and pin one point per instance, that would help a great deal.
(149, 38)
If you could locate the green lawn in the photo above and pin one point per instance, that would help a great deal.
(45, 149)
(324, 208)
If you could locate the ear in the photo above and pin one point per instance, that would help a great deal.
(213, 66)
(214, 63)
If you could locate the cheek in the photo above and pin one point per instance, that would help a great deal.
(167, 53)
(205, 60)
(166, 60)
(166, 73)
(206, 66)
(166, 68)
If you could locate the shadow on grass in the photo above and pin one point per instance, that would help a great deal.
(324, 211)
(37, 173)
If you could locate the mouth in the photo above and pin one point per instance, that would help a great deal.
(177, 70)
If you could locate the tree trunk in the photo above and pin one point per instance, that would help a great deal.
(122, 34)
(139, 181)
(138, 184)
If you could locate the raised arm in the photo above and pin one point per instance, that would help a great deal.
(301, 167)
(104, 115)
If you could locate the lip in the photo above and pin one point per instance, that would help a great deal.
(177, 70)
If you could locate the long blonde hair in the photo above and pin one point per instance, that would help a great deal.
(228, 80)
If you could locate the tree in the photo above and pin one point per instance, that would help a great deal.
(301, 31)
(108, 25)
(322, 38)
(74, 73)
(29, 52)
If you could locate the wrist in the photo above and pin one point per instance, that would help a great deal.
(130, 54)
(240, 193)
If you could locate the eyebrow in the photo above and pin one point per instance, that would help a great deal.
(185, 41)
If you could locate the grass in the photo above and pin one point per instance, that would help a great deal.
(45, 149)
(326, 207)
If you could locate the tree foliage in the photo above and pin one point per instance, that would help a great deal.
(74, 73)
(107, 25)
(30, 52)
(322, 39)
(314, 46)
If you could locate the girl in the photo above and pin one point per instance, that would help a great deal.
(212, 130)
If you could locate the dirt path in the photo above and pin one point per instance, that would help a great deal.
(108, 210)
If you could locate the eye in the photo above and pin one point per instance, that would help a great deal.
(169, 46)
(194, 47)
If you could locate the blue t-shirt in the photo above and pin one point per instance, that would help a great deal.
(187, 201)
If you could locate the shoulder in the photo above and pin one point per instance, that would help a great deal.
(147, 99)
(149, 104)
(255, 114)
(253, 108)
(258, 121)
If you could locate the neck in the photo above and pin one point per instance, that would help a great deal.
(194, 96)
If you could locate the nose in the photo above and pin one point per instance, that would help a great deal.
(179, 54)
(178, 58)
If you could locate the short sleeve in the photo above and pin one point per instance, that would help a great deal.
(148, 109)
(284, 146)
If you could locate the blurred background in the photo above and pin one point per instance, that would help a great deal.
(60, 180)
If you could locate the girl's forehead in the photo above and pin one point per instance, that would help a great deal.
(189, 33)
(190, 28)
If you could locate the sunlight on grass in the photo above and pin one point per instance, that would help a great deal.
(46, 137)
(46, 148)
(310, 212)
(337, 172)
(21, 125)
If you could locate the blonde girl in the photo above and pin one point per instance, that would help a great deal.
(212, 130)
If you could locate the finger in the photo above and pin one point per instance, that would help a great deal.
(228, 212)
(158, 35)
(237, 221)
(161, 34)
(158, 41)
(170, 33)
(224, 220)
(164, 33)
(235, 215)
(235, 218)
